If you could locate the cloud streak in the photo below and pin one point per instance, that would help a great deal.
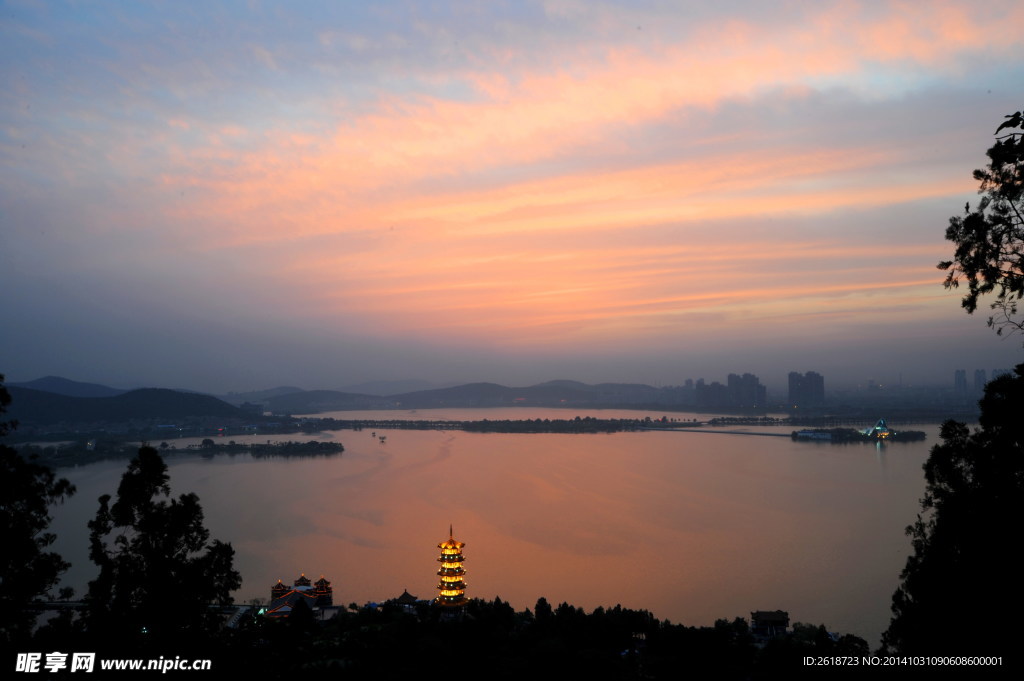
(539, 176)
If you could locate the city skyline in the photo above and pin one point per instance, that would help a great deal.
(237, 197)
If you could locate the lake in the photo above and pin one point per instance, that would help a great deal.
(693, 526)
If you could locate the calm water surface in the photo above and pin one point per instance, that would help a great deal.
(692, 526)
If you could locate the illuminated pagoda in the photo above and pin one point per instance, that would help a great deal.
(451, 588)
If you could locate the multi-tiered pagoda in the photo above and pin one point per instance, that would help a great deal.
(451, 588)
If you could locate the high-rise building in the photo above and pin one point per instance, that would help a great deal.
(979, 381)
(806, 390)
(746, 392)
(742, 392)
(451, 588)
(815, 387)
(960, 382)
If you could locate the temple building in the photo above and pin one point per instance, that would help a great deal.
(451, 587)
(318, 596)
(406, 602)
(768, 624)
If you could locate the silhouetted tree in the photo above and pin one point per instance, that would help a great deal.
(27, 571)
(990, 239)
(301, 618)
(159, 571)
(542, 610)
(961, 589)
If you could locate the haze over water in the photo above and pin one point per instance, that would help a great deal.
(691, 526)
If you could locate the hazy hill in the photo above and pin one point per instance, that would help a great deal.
(259, 395)
(36, 407)
(74, 402)
(314, 401)
(565, 383)
(65, 386)
(628, 392)
(493, 395)
(550, 394)
(384, 388)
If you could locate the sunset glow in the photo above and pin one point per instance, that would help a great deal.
(387, 191)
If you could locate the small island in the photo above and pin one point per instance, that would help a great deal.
(878, 433)
(89, 451)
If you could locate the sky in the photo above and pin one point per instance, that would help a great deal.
(237, 195)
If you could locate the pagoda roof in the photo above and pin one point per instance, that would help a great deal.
(451, 542)
(406, 598)
(282, 605)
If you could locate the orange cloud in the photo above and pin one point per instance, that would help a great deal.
(550, 114)
(535, 243)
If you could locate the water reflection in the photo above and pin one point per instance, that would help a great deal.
(691, 527)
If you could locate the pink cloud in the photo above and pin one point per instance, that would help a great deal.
(543, 244)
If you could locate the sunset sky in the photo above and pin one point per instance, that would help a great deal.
(236, 195)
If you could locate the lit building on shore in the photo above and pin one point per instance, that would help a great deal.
(318, 596)
(451, 587)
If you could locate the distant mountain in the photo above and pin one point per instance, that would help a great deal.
(36, 407)
(74, 402)
(65, 386)
(314, 401)
(551, 394)
(494, 395)
(628, 393)
(384, 388)
(455, 394)
(565, 383)
(259, 395)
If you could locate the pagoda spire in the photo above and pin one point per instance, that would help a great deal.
(451, 587)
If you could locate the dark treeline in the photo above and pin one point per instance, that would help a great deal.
(81, 452)
(489, 639)
(586, 424)
(493, 641)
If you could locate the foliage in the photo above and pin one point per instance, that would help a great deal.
(990, 240)
(961, 589)
(788, 652)
(27, 571)
(159, 571)
(564, 642)
(5, 399)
